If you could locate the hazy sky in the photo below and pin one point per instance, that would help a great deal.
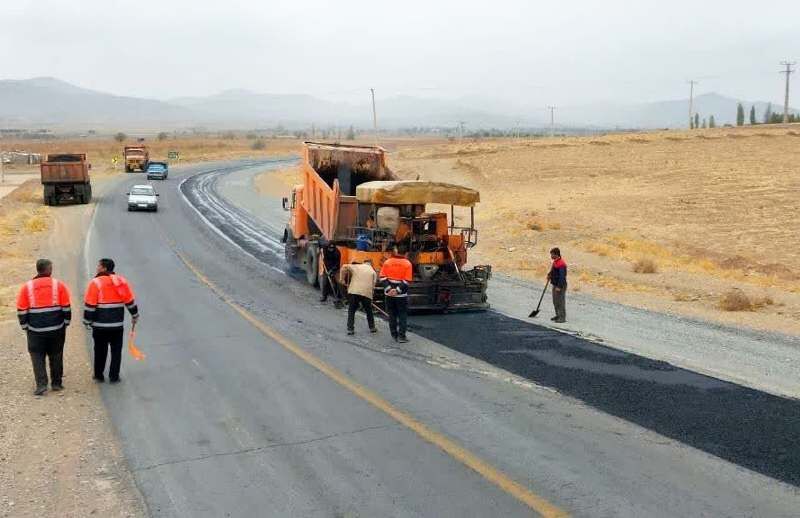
(540, 52)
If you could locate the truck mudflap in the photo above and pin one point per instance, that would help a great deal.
(463, 292)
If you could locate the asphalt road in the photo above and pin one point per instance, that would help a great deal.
(228, 416)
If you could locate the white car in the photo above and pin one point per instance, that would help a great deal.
(143, 197)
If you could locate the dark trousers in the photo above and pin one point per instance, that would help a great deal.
(397, 307)
(353, 302)
(105, 339)
(50, 345)
(560, 303)
(327, 287)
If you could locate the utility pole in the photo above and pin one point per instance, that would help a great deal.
(374, 116)
(552, 120)
(691, 82)
(788, 72)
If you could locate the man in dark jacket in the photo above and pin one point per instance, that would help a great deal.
(558, 278)
(395, 276)
(331, 258)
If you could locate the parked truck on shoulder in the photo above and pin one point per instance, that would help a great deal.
(136, 158)
(350, 197)
(65, 178)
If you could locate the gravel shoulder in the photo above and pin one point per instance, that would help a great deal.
(58, 454)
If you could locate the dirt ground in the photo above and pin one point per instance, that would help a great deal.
(58, 454)
(674, 221)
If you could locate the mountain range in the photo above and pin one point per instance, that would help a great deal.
(52, 103)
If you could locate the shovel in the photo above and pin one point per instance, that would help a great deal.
(536, 311)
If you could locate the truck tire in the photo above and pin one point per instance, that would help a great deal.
(87, 193)
(312, 266)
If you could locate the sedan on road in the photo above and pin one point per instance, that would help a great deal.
(157, 171)
(142, 197)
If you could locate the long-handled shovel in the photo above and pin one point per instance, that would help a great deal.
(536, 311)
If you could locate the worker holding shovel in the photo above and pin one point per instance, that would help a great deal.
(558, 278)
(331, 261)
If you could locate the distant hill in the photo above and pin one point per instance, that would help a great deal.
(48, 102)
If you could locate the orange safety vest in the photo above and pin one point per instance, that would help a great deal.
(396, 273)
(105, 301)
(43, 305)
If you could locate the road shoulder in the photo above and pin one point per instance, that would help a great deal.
(58, 453)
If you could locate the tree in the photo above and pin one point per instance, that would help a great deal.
(739, 115)
(696, 120)
(704, 123)
(162, 136)
(768, 113)
(753, 116)
(713, 124)
(351, 133)
(120, 137)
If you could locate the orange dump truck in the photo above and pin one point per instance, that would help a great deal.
(349, 196)
(65, 177)
(135, 157)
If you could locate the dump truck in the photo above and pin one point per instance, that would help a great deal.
(65, 178)
(350, 197)
(136, 158)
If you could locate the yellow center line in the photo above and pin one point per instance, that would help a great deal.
(457, 452)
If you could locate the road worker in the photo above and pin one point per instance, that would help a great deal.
(331, 262)
(360, 280)
(44, 312)
(107, 296)
(558, 278)
(396, 274)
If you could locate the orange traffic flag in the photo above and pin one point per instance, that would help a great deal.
(132, 349)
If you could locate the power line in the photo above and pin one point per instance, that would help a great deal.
(788, 72)
(691, 82)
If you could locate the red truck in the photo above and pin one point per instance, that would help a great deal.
(65, 177)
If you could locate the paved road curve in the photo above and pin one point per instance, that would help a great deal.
(223, 420)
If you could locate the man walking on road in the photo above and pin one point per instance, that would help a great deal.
(396, 274)
(107, 296)
(360, 280)
(331, 259)
(44, 312)
(558, 278)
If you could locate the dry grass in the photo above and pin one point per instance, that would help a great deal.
(101, 151)
(645, 265)
(699, 208)
(22, 220)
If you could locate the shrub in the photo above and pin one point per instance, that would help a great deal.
(645, 265)
(162, 136)
(735, 300)
(120, 137)
(258, 144)
(229, 135)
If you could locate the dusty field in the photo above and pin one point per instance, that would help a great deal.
(671, 221)
(58, 455)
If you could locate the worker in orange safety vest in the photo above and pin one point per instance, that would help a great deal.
(396, 274)
(44, 312)
(106, 298)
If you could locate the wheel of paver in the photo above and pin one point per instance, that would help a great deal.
(312, 266)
